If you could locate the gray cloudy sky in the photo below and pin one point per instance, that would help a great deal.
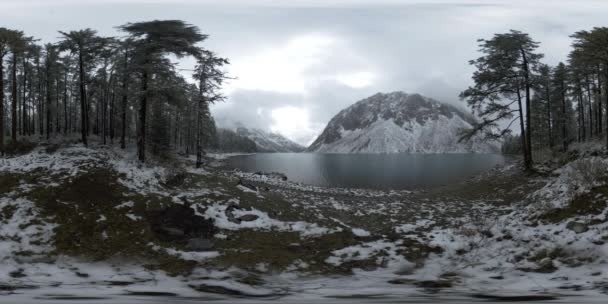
(300, 62)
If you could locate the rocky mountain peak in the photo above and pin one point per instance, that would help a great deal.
(398, 122)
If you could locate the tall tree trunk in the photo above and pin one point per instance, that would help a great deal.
(528, 130)
(83, 101)
(125, 97)
(49, 100)
(176, 131)
(589, 98)
(600, 115)
(40, 97)
(104, 117)
(14, 95)
(31, 123)
(104, 104)
(188, 130)
(581, 113)
(65, 102)
(19, 102)
(141, 136)
(606, 95)
(1, 105)
(56, 121)
(549, 120)
(24, 119)
(112, 110)
(199, 125)
(581, 121)
(564, 132)
(524, 142)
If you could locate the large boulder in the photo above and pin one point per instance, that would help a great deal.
(577, 227)
(179, 223)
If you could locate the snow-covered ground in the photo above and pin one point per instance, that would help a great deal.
(274, 240)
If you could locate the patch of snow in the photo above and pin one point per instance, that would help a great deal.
(217, 212)
(360, 232)
(101, 218)
(128, 204)
(405, 228)
(572, 179)
(383, 251)
(187, 255)
(133, 217)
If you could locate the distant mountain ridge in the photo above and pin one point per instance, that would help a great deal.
(269, 142)
(230, 142)
(399, 122)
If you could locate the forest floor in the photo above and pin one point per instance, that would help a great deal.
(92, 224)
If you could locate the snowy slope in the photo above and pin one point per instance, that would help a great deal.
(269, 142)
(399, 122)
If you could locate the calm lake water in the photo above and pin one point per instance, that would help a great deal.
(370, 171)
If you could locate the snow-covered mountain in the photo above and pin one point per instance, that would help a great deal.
(399, 122)
(269, 142)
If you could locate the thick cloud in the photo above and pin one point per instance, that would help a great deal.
(300, 62)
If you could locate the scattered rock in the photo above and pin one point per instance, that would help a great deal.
(184, 200)
(247, 185)
(522, 298)
(248, 218)
(229, 212)
(434, 284)
(487, 233)
(545, 266)
(277, 175)
(172, 231)
(51, 148)
(17, 274)
(401, 281)
(577, 227)
(5, 287)
(199, 244)
(461, 251)
(176, 177)
(224, 291)
(575, 287)
(294, 247)
(119, 283)
(81, 274)
(151, 294)
(179, 223)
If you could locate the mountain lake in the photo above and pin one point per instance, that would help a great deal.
(400, 171)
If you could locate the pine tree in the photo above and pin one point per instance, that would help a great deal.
(152, 40)
(50, 64)
(211, 76)
(85, 44)
(545, 108)
(17, 44)
(5, 40)
(561, 86)
(503, 78)
(593, 47)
